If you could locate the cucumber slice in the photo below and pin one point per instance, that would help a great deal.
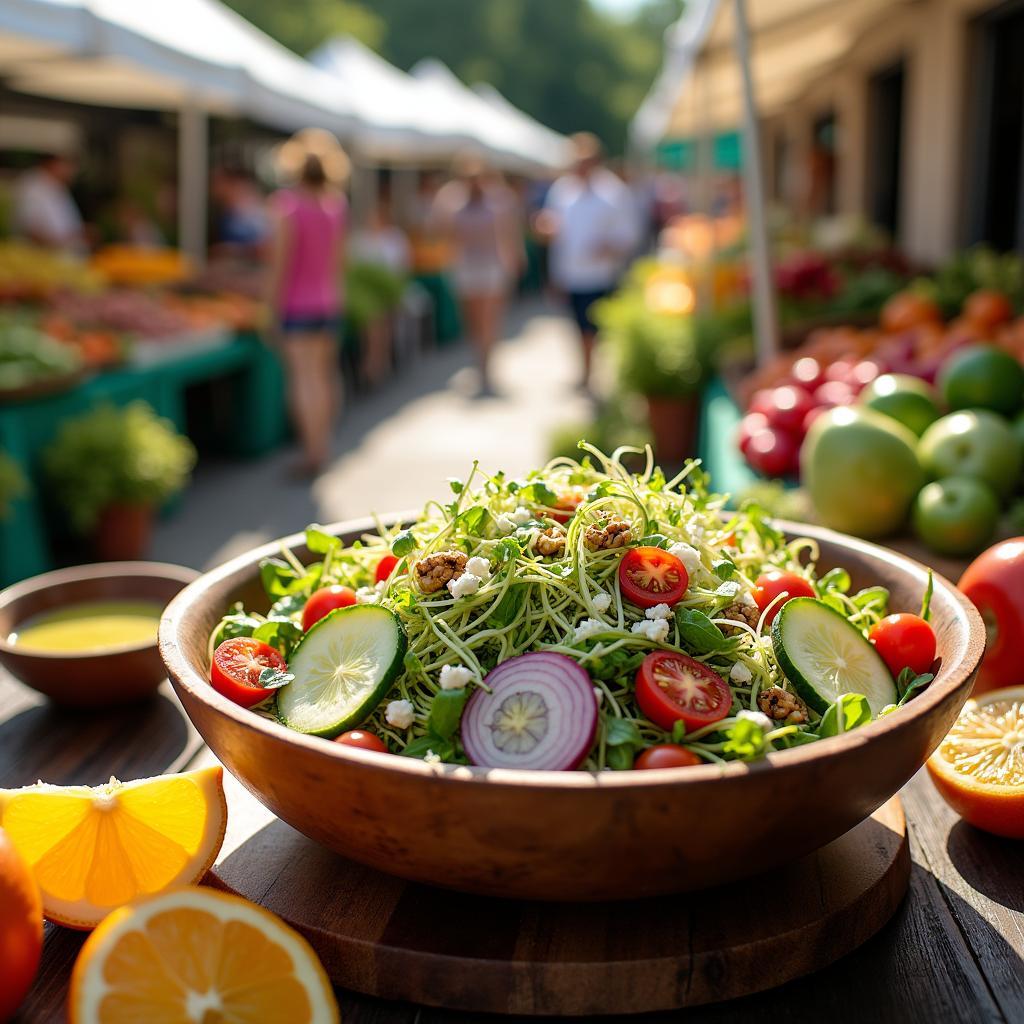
(824, 656)
(343, 667)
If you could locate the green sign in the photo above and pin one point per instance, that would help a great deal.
(681, 154)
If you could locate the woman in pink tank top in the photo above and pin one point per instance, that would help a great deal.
(306, 267)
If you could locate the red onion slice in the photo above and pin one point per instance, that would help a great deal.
(541, 714)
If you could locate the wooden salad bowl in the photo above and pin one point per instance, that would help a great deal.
(575, 835)
(93, 679)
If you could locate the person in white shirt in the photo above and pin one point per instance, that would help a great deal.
(590, 220)
(44, 211)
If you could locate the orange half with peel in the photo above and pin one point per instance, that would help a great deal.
(196, 954)
(93, 849)
(979, 767)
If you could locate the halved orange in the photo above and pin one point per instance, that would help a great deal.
(93, 849)
(979, 766)
(198, 955)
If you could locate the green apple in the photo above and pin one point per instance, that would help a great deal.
(956, 516)
(908, 400)
(983, 377)
(973, 443)
(861, 471)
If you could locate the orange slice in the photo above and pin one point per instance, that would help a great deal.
(979, 766)
(198, 956)
(94, 849)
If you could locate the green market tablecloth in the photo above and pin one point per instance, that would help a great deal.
(252, 421)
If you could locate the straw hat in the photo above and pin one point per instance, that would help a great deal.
(313, 144)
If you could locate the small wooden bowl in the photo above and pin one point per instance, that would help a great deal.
(100, 678)
(575, 835)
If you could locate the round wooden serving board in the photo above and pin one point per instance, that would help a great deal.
(386, 937)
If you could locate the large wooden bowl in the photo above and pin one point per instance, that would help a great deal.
(103, 678)
(575, 835)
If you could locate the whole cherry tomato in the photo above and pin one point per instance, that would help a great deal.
(324, 601)
(774, 582)
(385, 567)
(666, 755)
(363, 739)
(904, 641)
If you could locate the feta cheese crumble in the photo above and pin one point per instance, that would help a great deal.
(739, 673)
(431, 758)
(521, 516)
(504, 525)
(688, 555)
(653, 629)
(367, 595)
(602, 602)
(758, 718)
(399, 713)
(659, 611)
(464, 585)
(588, 628)
(455, 677)
(479, 567)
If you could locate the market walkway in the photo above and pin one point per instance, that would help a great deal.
(395, 448)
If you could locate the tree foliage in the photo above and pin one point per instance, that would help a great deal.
(567, 63)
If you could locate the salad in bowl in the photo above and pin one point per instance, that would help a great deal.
(586, 616)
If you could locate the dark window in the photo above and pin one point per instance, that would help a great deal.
(885, 126)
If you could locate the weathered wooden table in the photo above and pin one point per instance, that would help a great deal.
(953, 952)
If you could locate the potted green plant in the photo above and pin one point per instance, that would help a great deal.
(659, 355)
(111, 468)
(13, 484)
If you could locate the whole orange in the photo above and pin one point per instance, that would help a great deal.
(21, 928)
(906, 310)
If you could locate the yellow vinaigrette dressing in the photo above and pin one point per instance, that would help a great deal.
(92, 626)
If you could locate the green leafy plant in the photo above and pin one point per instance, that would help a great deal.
(111, 456)
(13, 484)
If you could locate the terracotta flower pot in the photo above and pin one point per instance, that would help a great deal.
(123, 532)
(674, 426)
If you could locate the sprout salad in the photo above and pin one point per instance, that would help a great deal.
(587, 615)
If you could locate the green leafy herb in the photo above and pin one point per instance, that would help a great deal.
(282, 634)
(474, 520)
(724, 568)
(403, 544)
(508, 608)
(678, 730)
(539, 493)
(456, 485)
(655, 540)
(877, 597)
(835, 579)
(745, 739)
(926, 604)
(855, 712)
(288, 607)
(622, 739)
(234, 625)
(420, 747)
(909, 684)
(446, 712)
(319, 541)
(699, 634)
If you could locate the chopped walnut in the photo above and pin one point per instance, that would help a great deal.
(609, 532)
(782, 706)
(550, 541)
(740, 611)
(435, 571)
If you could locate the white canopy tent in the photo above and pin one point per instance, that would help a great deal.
(552, 146)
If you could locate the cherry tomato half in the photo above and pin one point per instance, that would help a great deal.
(236, 668)
(324, 601)
(666, 755)
(567, 503)
(650, 576)
(904, 641)
(774, 582)
(385, 567)
(362, 738)
(672, 687)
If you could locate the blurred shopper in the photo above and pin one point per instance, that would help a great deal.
(381, 243)
(307, 249)
(590, 219)
(477, 215)
(243, 224)
(44, 211)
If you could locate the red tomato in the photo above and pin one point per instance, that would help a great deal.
(904, 641)
(650, 576)
(363, 739)
(774, 582)
(236, 668)
(672, 687)
(774, 452)
(751, 425)
(568, 502)
(789, 405)
(808, 372)
(324, 601)
(385, 567)
(994, 581)
(988, 309)
(666, 755)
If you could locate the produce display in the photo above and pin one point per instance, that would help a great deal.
(31, 274)
(583, 617)
(880, 442)
(30, 358)
(141, 266)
